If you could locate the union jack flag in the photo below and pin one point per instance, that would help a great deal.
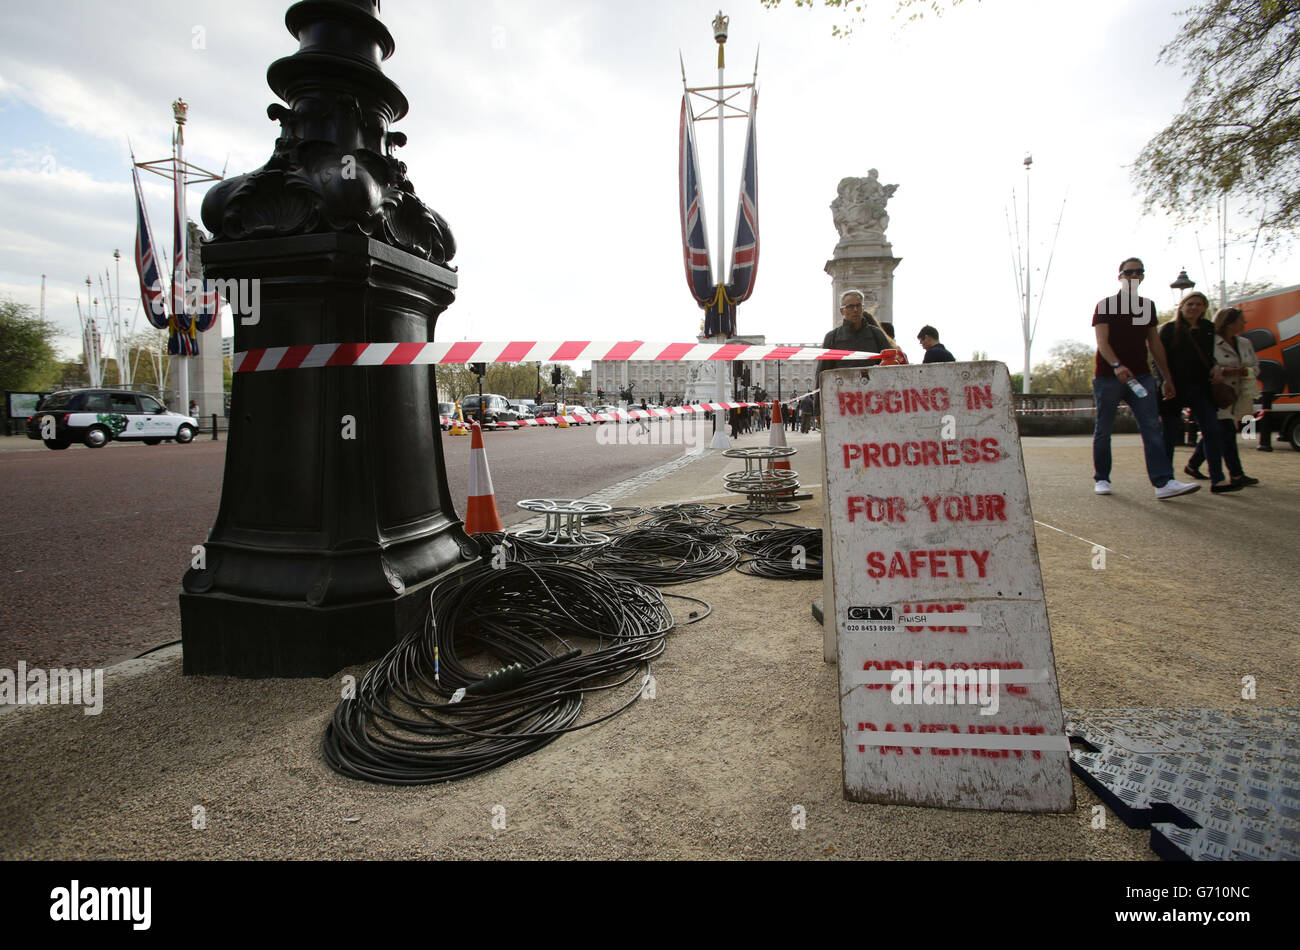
(699, 270)
(152, 293)
(744, 255)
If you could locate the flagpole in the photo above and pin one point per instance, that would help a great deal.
(720, 439)
(180, 271)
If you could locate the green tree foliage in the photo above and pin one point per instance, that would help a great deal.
(28, 362)
(512, 380)
(1239, 128)
(1068, 369)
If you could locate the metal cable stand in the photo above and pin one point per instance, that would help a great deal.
(563, 528)
(761, 482)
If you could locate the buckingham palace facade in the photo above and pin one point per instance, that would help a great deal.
(681, 381)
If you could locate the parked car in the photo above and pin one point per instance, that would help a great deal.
(96, 417)
(496, 408)
(524, 409)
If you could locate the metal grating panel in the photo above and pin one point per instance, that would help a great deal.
(1211, 784)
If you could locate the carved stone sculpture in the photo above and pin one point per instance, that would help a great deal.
(859, 209)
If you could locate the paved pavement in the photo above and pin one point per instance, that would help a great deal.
(1197, 593)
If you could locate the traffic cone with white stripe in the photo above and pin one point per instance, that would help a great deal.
(481, 513)
(776, 439)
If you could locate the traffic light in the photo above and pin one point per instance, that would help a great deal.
(600, 394)
(478, 369)
(556, 376)
(539, 396)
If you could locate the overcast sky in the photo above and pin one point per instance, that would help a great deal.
(545, 131)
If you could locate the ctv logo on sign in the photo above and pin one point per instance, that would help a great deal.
(871, 613)
(871, 619)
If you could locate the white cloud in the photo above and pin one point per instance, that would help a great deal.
(546, 134)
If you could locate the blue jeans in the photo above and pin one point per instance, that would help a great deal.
(1107, 391)
(1207, 417)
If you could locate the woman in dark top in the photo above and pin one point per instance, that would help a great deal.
(1188, 340)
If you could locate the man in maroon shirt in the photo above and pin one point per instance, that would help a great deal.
(1126, 329)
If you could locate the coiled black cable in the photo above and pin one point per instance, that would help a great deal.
(774, 555)
(663, 556)
(407, 725)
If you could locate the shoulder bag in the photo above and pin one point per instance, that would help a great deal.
(1221, 394)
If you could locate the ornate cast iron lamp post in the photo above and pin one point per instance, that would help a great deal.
(335, 513)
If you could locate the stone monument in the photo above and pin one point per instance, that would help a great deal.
(207, 370)
(863, 258)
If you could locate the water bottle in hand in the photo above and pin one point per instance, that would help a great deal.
(1138, 389)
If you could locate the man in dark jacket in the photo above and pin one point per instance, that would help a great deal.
(935, 352)
(859, 331)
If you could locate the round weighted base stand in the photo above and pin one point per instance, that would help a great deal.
(563, 522)
(762, 484)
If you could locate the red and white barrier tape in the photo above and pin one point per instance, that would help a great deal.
(423, 354)
(627, 415)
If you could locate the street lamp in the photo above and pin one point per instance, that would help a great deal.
(1182, 283)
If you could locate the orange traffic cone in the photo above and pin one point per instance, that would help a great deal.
(776, 437)
(458, 427)
(481, 515)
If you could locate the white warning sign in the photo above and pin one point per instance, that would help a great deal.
(947, 678)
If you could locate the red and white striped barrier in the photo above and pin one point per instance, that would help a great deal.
(627, 415)
(425, 354)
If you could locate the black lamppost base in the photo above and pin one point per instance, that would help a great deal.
(335, 513)
(239, 636)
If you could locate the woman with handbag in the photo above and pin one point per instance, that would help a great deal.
(1235, 355)
(1189, 342)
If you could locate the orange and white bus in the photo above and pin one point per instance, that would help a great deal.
(1273, 328)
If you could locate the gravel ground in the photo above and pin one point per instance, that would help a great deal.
(744, 727)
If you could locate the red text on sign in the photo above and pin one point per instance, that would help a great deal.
(954, 728)
(894, 454)
(933, 609)
(966, 507)
(1012, 689)
(876, 509)
(979, 397)
(935, 563)
(870, 403)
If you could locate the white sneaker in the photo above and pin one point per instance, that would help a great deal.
(1102, 487)
(1173, 488)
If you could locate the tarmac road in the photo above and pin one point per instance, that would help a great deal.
(93, 542)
